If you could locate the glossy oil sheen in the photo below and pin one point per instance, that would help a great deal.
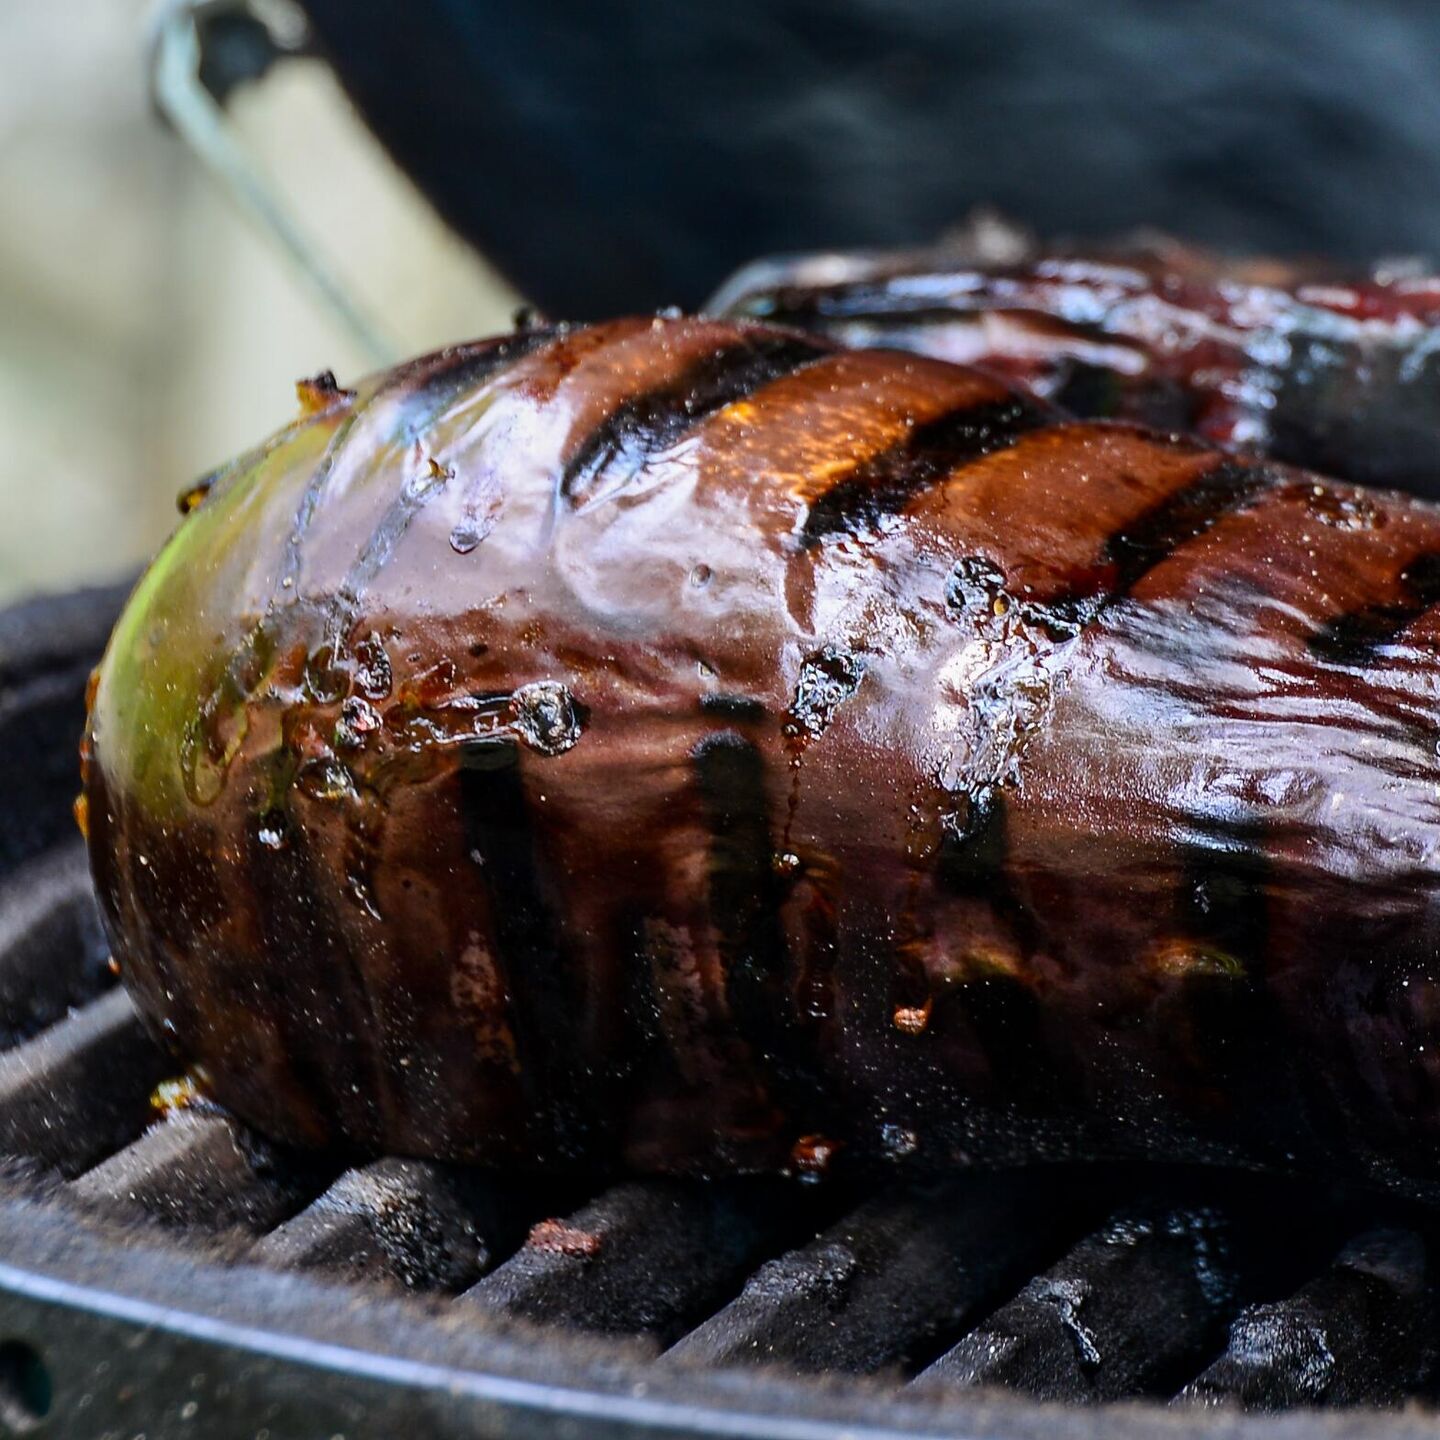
(808, 752)
(1303, 362)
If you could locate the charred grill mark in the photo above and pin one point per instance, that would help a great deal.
(973, 852)
(530, 951)
(1222, 895)
(1131, 553)
(885, 483)
(1223, 1024)
(744, 899)
(1353, 637)
(645, 424)
(293, 922)
(467, 365)
(744, 892)
(1182, 517)
(733, 707)
(1001, 1010)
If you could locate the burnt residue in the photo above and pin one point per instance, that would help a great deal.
(645, 424)
(1224, 1035)
(1353, 638)
(973, 586)
(339, 1059)
(547, 717)
(827, 679)
(1223, 896)
(562, 1108)
(858, 500)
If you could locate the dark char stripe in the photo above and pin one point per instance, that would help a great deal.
(648, 423)
(745, 897)
(885, 483)
(744, 890)
(530, 951)
(1353, 638)
(1181, 517)
(1132, 552)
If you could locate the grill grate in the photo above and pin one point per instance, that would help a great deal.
(1209, 1292)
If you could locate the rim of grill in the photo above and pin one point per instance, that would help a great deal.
(1002, 1304)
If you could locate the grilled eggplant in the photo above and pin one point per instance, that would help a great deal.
(1337, 372)
(691, 746)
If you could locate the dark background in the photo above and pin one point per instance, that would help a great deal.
(615, 154)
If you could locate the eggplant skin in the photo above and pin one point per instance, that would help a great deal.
(685, 745)
(1336, 371)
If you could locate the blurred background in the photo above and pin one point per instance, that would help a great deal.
(147, 331)
(606, 155)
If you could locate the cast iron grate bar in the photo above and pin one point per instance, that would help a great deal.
(200, 1170)
(1132, 1310)
(420, 1225)
(887, 1283)
(647, 1259)
(80, 1090)
(1364, 1332)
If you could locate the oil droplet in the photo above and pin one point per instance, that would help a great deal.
(81, 811)
(527, 317)
(325, 779)
(701, 576)
(896, 1140)
(785, 862)
(358, 718)
(189, 500)
(1000, 606)
(372, 668)
(469, 532)
(812, 1155)
(912, 1019)
(547, 717)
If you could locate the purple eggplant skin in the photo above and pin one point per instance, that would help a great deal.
(687, 745)
(1298, 361)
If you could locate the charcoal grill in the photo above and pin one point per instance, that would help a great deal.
(171, 1274)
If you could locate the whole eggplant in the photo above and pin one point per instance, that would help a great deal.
(689, 745)
(1333, 370)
